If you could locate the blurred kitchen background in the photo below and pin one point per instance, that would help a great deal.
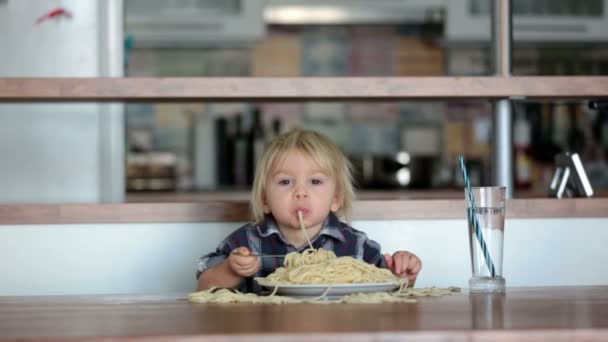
(400, 147)
(393, 145)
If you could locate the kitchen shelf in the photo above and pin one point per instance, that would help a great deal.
(238, 211)
(298, 88)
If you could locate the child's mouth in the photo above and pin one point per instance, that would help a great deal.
(304, 211)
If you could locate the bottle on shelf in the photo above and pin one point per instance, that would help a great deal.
(599, 127)
(560, 125)
(522, 151)
(224, 133)
(257, 142)
(275, 129)
(242, 154)
(543, 147)
(576, 136)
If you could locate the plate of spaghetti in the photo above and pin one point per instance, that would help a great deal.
(318, 272)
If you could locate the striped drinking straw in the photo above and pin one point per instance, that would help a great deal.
(473, 219)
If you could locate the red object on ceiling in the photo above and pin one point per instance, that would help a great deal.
(57, 13)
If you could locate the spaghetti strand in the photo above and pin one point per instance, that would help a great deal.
(304, 229)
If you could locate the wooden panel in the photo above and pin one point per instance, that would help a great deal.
(124, 213)
(238, 211)
(523, 314)
(298, 88)
(245, 195)
(455, 209)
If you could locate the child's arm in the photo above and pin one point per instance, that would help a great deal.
(230, 272)
(404, 264)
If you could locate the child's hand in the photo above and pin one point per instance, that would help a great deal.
(404, 264)
(242, 263)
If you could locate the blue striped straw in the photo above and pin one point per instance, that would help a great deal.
(473, 219)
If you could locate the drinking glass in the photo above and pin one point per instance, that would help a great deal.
(486, 240)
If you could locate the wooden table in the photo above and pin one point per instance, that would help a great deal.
(522, 314)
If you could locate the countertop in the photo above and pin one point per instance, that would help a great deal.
(522, 314)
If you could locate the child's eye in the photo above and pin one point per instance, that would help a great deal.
(284, 182)
(317, 181)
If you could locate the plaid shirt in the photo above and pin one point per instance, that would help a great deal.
(266, 238)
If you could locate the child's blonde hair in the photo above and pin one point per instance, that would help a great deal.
(316, 146)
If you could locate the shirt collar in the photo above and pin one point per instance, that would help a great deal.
(268, 226)
(331, 227)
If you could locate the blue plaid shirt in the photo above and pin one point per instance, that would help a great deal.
(265, 238)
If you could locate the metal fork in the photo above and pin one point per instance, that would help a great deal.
(261, 255)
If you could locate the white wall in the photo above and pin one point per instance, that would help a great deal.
(59, 153)
(161, 258)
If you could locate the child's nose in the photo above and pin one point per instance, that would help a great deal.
(300, 193)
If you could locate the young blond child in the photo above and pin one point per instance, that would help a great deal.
(299, 171)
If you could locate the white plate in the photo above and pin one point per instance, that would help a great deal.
(336, 290)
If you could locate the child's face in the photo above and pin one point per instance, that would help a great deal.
(298, 183)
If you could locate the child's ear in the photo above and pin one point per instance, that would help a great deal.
(337, 202)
